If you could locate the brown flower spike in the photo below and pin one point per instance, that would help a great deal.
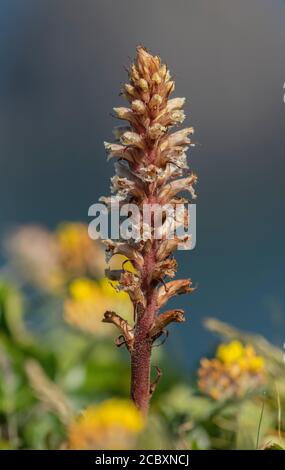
(151, 168)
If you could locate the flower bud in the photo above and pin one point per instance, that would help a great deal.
(122, 113)
(113, 149)
(170, 86)
(180, 137)
(177, 116)
(131, 138)
(155, 101)
(156, 78)
(138, 107)
(167, 76)
(156, 131)
(142, 83)
(134, 74)
(130, 89)
(118, 131)
(162, 71)
(175, 103)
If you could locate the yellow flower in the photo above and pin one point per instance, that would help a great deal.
(84, 290)
(108, 289)
(243, 356)
(79, 255)
(85, 306)
(234, 371)
(249, 351)
(111, 425)
(69, 234)
(256, 364)
(230, 353)
(88, 301)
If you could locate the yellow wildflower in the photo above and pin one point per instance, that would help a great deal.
(84, 290)
(84, 306)
(112, 425)
(88, 301)
(79, 255)
(234, 371)
(256, 364)
(230, 353)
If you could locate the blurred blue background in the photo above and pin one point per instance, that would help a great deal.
(61, 68)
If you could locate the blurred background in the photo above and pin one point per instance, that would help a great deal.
(62, 65)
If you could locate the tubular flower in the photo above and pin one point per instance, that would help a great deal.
(151, 169)
(112, 425)
(234, 371)
(86, 302)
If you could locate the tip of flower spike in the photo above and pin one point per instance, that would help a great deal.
(140, 47)
(142, 51)
(146, 63)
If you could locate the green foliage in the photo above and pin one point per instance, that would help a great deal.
(49, 374)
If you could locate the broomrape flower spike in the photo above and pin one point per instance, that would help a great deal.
(151, 169)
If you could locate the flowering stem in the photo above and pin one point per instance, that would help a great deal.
(151, 170)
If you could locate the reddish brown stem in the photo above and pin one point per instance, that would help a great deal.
(141, 355)
(140, 365)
